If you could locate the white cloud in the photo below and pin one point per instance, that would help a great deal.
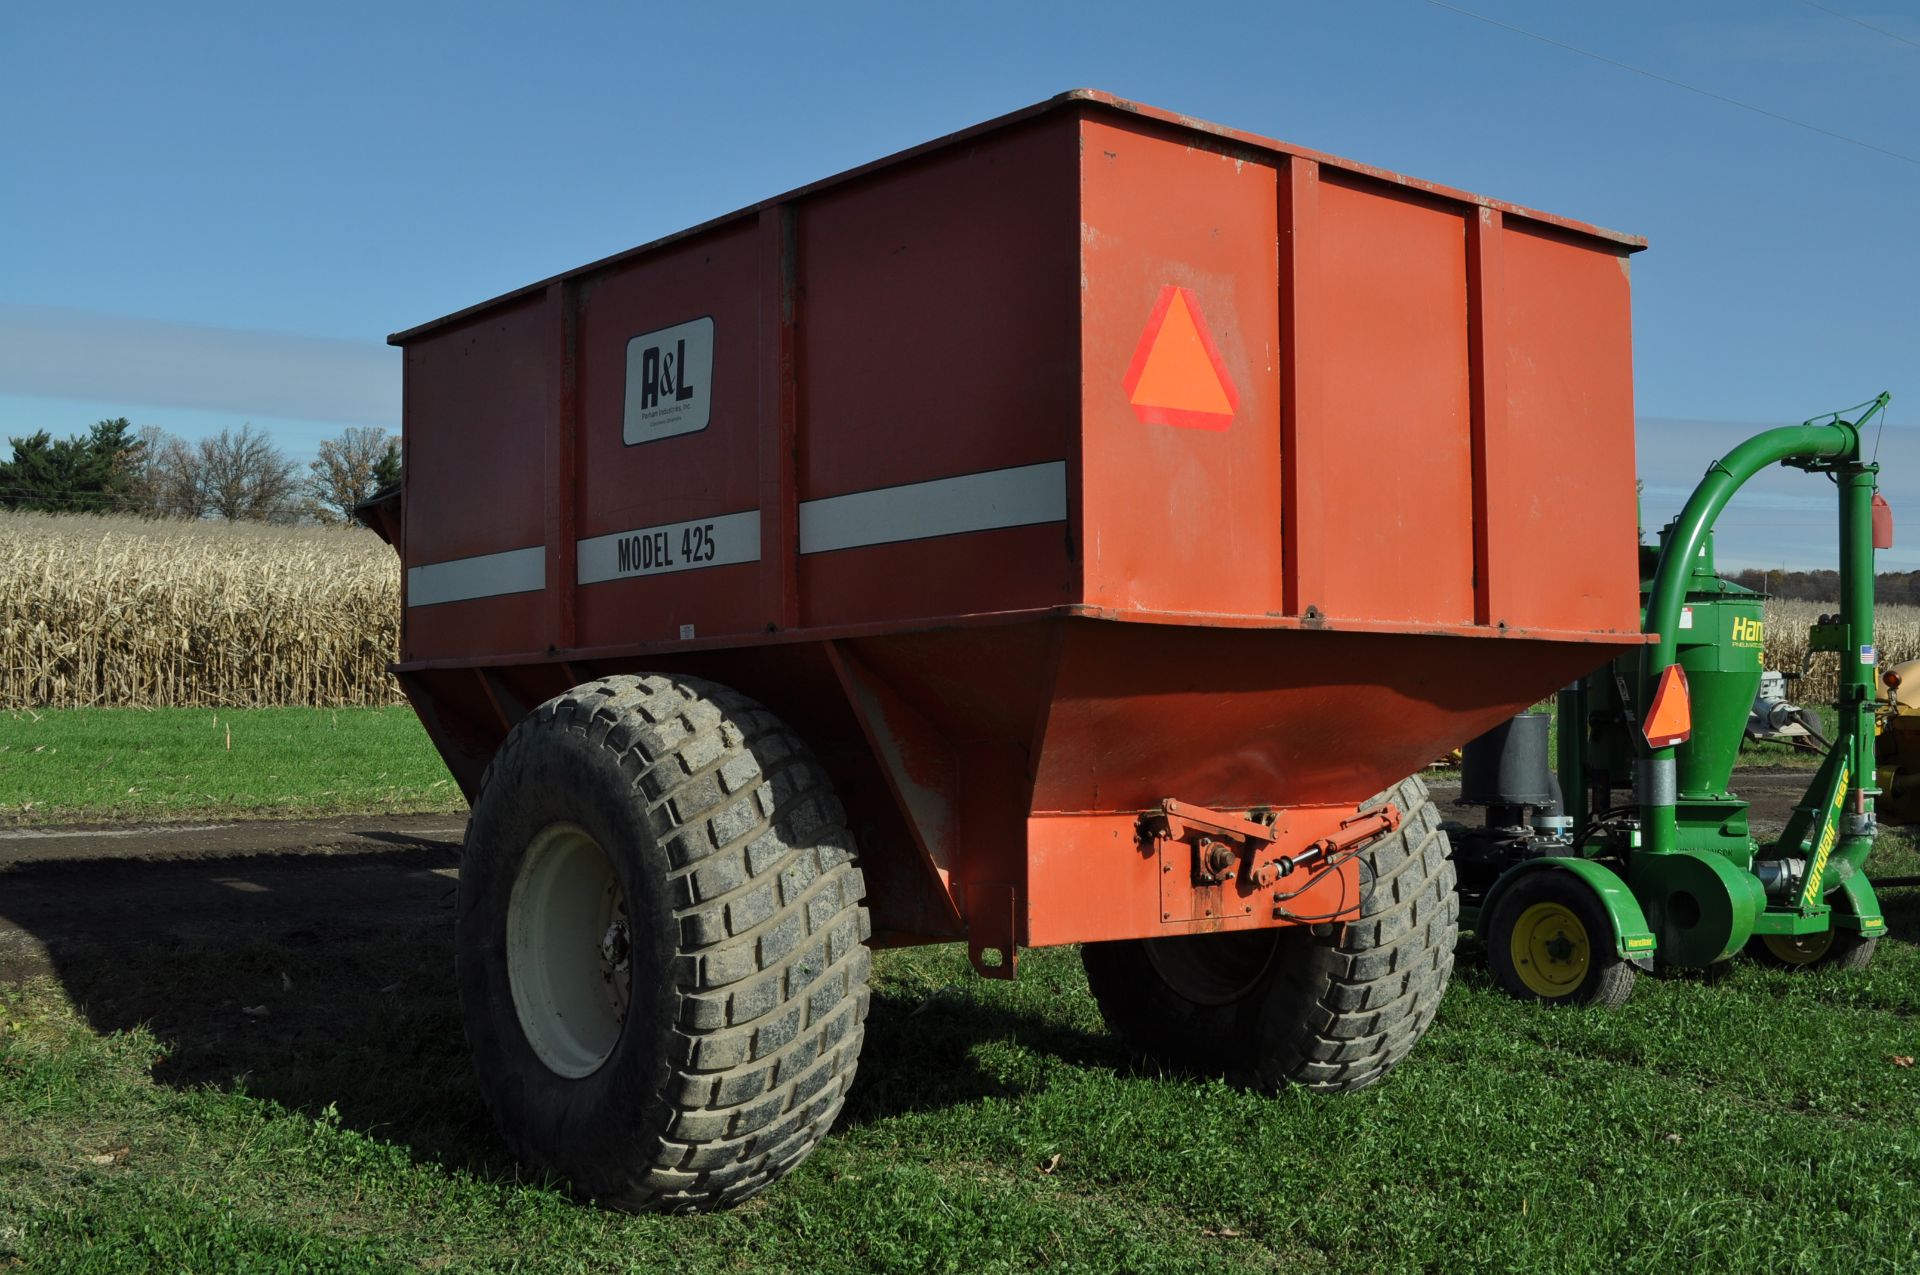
(47, 352)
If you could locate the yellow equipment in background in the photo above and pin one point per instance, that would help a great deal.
(1898, 751)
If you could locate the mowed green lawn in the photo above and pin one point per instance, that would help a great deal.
(76, 764)
(1758, 1121)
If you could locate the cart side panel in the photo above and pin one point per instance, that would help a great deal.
(1394, 461)
(1179, 312)
(936, 340)
(476, 407)
(1561, 534)
(670, 541)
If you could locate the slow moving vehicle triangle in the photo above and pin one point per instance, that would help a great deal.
(1177, 376)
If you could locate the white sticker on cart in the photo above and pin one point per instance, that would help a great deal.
(669, 382)
(1017, 497)
(673, 546)
(1686, 617)
(487, 575)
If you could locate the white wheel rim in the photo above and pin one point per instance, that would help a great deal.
(569, 951)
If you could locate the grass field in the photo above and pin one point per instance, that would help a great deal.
(1760, 1121)
(1754, 1121)
(82, 764)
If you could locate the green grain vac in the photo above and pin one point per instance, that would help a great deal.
(1634, 852)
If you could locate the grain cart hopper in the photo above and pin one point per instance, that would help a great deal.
(1070, 531)
(1638, 852)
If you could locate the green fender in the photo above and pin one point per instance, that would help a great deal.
(1632, 938)
(1857, 907)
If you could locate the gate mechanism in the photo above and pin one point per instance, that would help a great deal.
(1227, 847)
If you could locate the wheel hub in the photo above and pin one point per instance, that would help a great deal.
(615, 949)
(1550, 949)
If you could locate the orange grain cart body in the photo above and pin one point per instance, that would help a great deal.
(1089, 458)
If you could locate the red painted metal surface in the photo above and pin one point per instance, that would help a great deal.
(1092, 458)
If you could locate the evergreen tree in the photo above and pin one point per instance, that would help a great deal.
(87, 473)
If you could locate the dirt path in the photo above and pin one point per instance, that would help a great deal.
(62, 889)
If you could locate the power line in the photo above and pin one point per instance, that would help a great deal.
(1847, 17)
(1679, 84)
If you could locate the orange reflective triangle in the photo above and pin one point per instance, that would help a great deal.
(1670, 716)
(1177, 376)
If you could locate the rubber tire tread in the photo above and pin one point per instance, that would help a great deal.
(1610, 978)
(749, 992)
(1345, 1008)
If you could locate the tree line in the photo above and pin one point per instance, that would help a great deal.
(237, 475)
(1824, 585)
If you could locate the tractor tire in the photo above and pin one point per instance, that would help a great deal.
(660, 944)
(1549, 941)
(1330, 1012)
(1831, 950)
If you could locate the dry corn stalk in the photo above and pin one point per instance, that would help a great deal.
(1896, 635)
(127, 611)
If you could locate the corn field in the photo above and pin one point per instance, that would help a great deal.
(126, 611)
(1896, 634)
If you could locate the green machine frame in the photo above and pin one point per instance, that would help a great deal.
(1676, 870)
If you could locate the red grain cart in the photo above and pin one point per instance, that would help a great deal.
(1070, 531)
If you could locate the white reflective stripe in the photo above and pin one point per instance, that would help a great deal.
(490, 574)
(672, 546)
(1016, 497)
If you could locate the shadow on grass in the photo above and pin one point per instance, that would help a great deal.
(308, 979)
(1901, 908)
(921, 1052)
(328, 981)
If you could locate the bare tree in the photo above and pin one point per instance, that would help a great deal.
(243, 476)
(349, 469)
(164, 479)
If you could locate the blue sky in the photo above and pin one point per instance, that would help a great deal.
(215, 213)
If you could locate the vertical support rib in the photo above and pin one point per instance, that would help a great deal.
(1487, 372)
(562, 487)
(1302, 410)
(779, 418)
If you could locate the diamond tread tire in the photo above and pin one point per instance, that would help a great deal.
(748, 966)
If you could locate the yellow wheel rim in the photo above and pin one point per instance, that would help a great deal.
(1551, 951)
(1799, 949)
